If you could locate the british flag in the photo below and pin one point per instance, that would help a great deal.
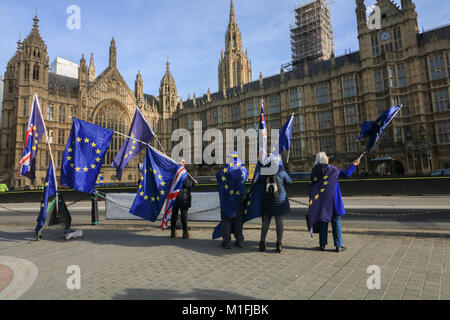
(175, 187)
(33, 135)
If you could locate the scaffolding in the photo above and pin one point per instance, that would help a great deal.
(312, 33)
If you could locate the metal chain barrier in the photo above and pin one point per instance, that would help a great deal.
(381, 215)
(67, 205)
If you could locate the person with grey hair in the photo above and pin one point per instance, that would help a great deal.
(325, 199)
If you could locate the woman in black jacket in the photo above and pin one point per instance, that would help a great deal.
(182, 203)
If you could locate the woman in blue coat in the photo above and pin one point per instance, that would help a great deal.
(325, 199)
(277, 205)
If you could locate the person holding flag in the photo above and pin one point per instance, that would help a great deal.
(160, 182)
(182, 204)
(231, 183)
(35, 131)
(325, 199)
(140, 134)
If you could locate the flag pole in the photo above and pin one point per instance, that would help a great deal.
(49, 150)
(289, 150)
(161, 153)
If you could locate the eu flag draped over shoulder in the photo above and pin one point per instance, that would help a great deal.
(322, 189)
(231, 182)
(161, 180)
(140, 130)
(35, 132)
(48, 191)
(374, 129)
(84, 155)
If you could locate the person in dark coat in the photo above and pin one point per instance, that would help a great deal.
(277, 207)
(182, 204)
(231, 184)
(325, 199)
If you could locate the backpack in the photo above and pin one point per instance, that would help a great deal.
(272, 188)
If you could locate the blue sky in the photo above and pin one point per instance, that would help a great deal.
(191, 33)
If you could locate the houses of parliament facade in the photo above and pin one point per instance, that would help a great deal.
(330, 98)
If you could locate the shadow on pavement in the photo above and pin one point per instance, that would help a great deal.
(141, 237)
(165, 294)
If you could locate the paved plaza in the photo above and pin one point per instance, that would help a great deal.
(136, 260)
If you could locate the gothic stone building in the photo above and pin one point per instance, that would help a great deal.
(396, 64)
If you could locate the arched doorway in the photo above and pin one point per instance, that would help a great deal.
(112, 115)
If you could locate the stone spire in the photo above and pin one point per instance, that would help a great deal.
(91, 71)
(139, 89)
(34, 37)
(232, 15)
(113, 54)
(168, 90)
(233, 64)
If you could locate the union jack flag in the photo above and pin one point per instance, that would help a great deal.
(161, 180)
(34, 133)
(175, 187)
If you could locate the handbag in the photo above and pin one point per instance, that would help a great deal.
(315, 225)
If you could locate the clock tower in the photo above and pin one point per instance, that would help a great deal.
(388, 28)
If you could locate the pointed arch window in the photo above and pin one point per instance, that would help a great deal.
(113, 116)
(26, 73)
(36, 72)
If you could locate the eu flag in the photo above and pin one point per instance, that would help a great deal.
(35, 132)
(374, 129)
(161, 180)
(284, 142)
(140, 130)
(231, 182)
(84, 155)
(252, 207)
(48, 191)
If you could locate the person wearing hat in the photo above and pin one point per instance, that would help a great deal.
(182, 204)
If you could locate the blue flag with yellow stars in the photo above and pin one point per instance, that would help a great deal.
(322, 189)
(252, 205)
(84, 155)
(374, 129)
(161, 180)
(140, 130)
(231, 182)
(48, 191)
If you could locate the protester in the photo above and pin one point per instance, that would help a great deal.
(325, 199)
(275, 203)
(231, 183)
(182, 204)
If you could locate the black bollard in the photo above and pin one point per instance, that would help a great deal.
(94, 211)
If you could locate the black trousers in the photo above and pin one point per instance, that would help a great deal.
(235, 224)
(173, 219)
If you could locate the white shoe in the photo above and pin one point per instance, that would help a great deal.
(75, 234)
